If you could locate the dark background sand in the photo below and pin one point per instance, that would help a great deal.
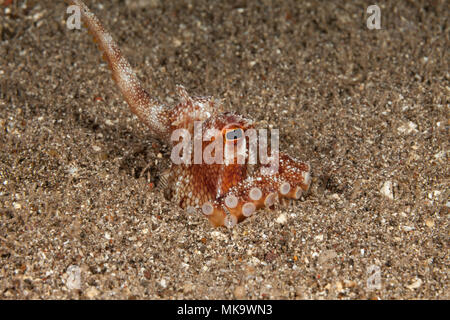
(365, 107)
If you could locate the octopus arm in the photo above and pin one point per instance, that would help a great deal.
(256, 192)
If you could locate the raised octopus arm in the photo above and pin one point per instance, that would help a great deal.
(148, 110)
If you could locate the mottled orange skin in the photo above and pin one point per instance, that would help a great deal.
(203, 187)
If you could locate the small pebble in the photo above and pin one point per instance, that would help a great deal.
(177, 42)
(349, 283)
(408, 228)
(339, 286)
(239, 292)
(408, 128)
(319, 237)
(326, 255)
(387, 190)
(281, 219)
(188, 287)
(92, 292)
(73, 280)
(416, 284)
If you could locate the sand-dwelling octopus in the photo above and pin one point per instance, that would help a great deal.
(225, 192)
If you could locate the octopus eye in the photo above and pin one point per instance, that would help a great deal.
(234, 134)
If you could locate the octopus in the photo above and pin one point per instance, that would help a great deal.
(225, 193)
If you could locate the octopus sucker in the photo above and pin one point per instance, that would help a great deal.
(270, 199)
(248, 209)
(255, 194)
(284, 188)
(296, 193)
(231, 201)
(242, 210)
(306, 179)
(227, 192)
(207, 208)
(230, 221)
